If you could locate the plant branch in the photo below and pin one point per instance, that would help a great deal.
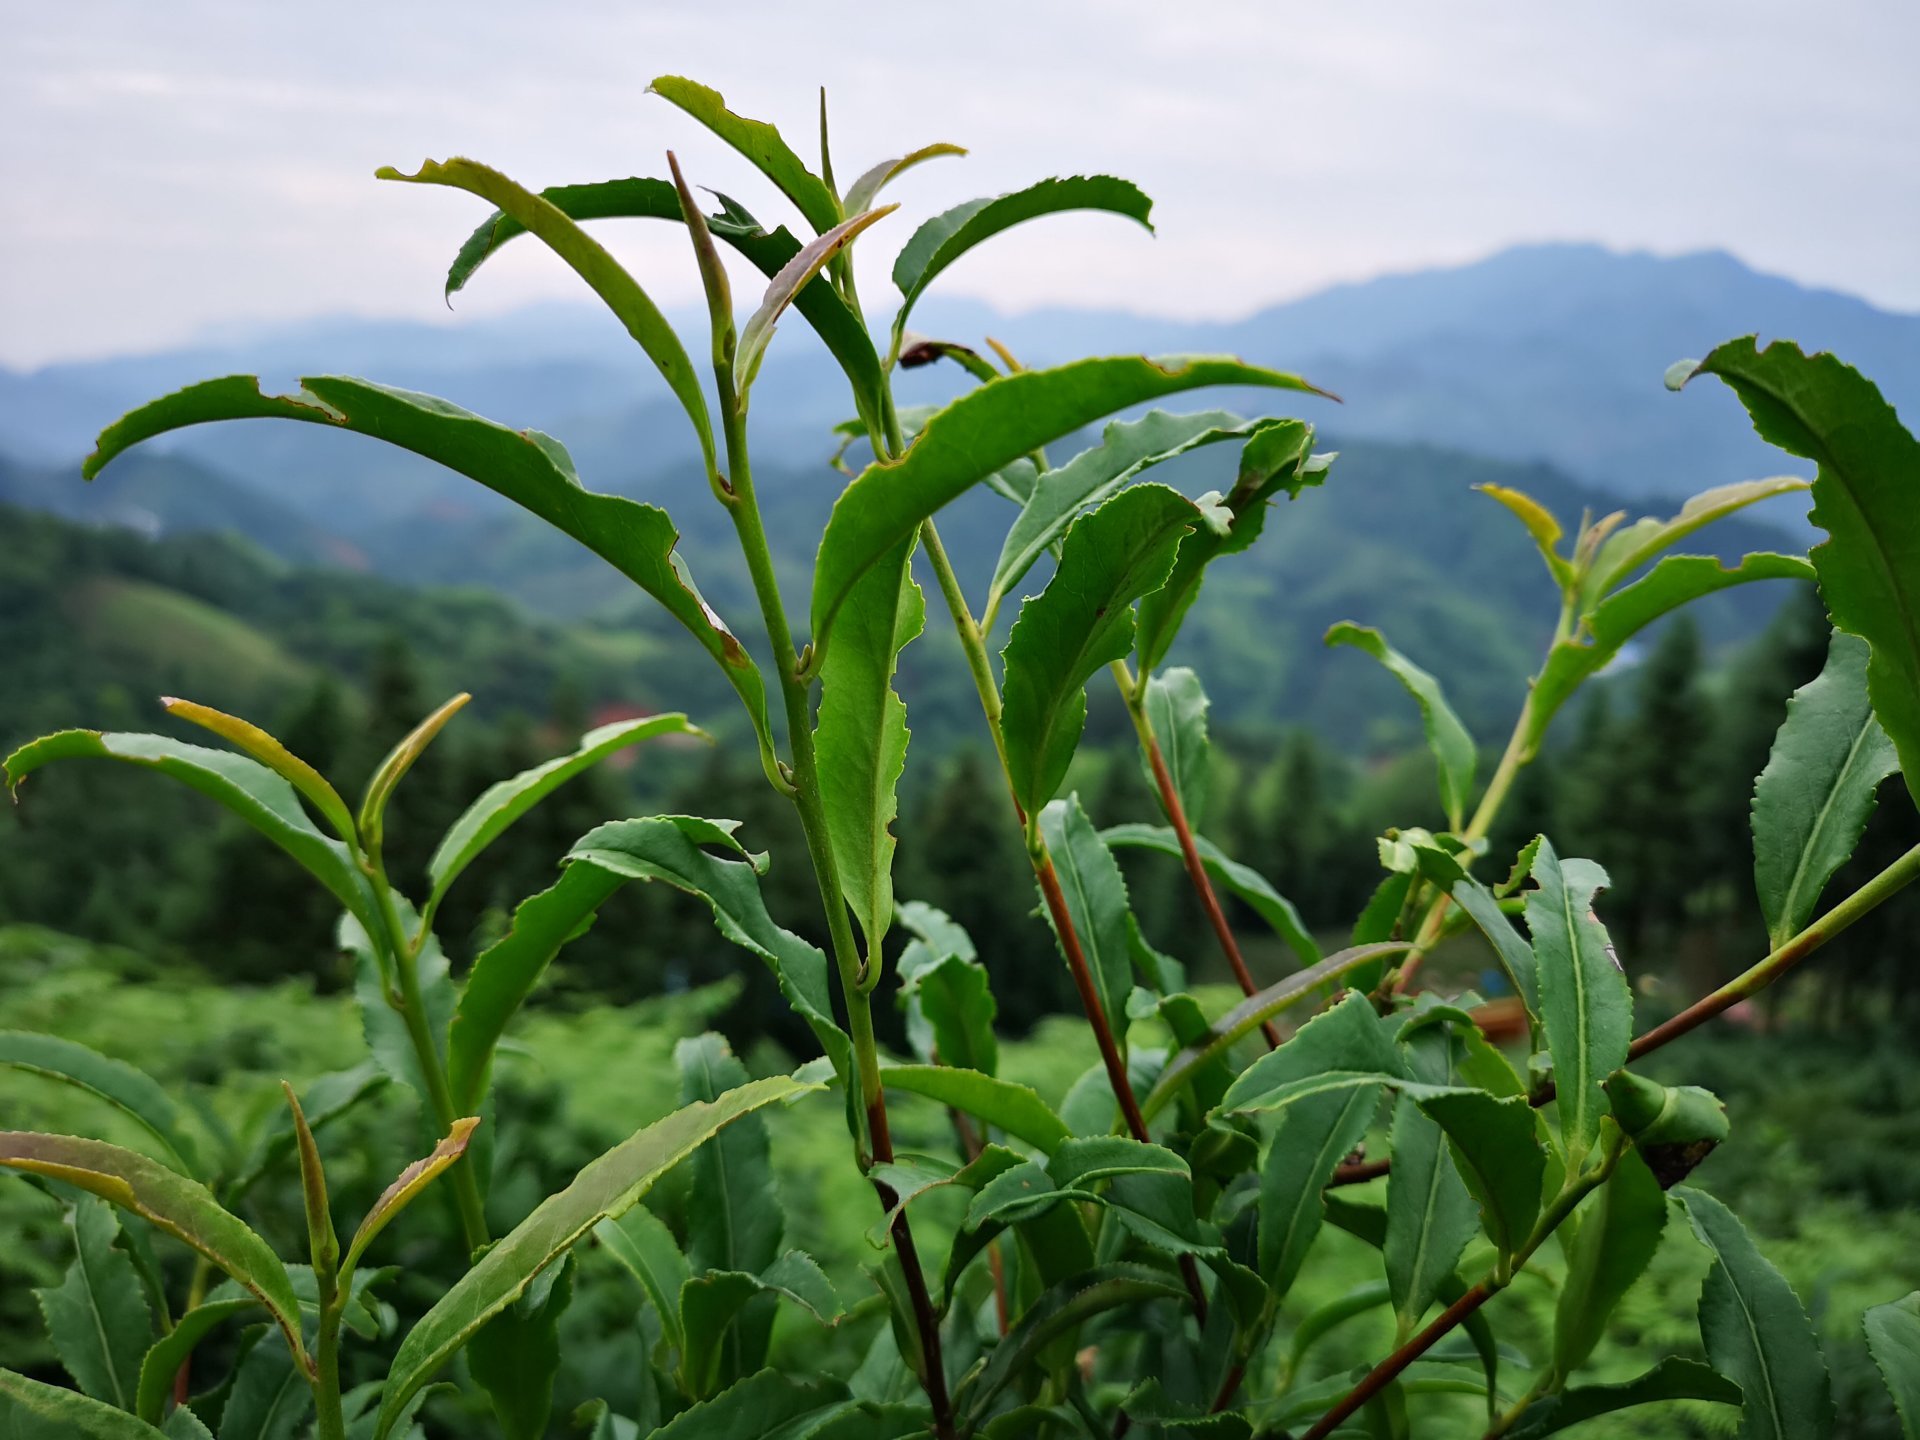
(1134, 694)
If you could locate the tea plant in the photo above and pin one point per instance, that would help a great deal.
(1124, 1261)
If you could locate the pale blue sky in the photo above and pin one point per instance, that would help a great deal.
(175, 168)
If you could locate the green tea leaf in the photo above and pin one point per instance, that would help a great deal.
(1080, 622)
(1276, 457)
(323, 1244)
(588, 259)
(1452, 747)
(983, 432)
(761, 1405)
(792, 277)
(1540, 523)
(1514, 954)
(399, 760)
(505, 801)
(1016, 1109)
(759, 142)
(1757, 1334)
(164, 1358)
(245, 787)
(132, 1091)
(667, 848)
(605, 1189)
(272, 754)
(388, 1039)
(716, 1305)
(1672, 583)
(515, 1356)
(1058, 1312)
(1818, 408)
(1313, 1138)
(860, 194)
(1812, 802)
(408, 1185)
(1347, 1038)
(1246, 883)
(183, 1208)
(1673, 1128)
(861, 739)
(97, 1316)
(950, 1012)
(641, 1241)
(1618, 1232)
(1672, 1379)
(1625, 551)
(531, 469)
(1126, 449)
(1096, 896)
(326, 1100)
(946, 237)
(70, 1413)
(1176, 710)
(735, 1222)
(1893, 1337)
(1430, 1213)
(270, 1398)
(1498, 1155)
(1586, 1007)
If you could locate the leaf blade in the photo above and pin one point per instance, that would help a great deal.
(1454, 753)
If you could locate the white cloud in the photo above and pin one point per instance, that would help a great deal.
(208, 162)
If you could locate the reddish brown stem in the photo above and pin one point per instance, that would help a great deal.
(1389, 1369)
(970, 1148)
(926, 1320)
(1176, 814)
(1110, 1055)
(1227, 1386)
(1358, 1172)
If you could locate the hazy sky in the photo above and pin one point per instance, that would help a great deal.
(175, 168)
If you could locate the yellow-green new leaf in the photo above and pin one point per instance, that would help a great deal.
(605, 1189)
(408, 1185)
(589, 259)
(531, 469)
(272, 754)
(1452, 747)
(1812, 802)
(504, 802)
(392, 770)
(323, 1245)
(244, 786)
(182, 1208)
(1625, 551)
(1541, 524)
(984, 431)
(797, 273)
(860, 194)
(1080, 622)
(1864, 497)
(759, 142)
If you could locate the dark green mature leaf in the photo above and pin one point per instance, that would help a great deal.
(531, 469)
(736, 1221)
(1816, 407)
(1499, 1157)
(667, 848)
(861, 739)
(184, 1424)
(588, 258)
(1126, 448)
(1096, 896)
(1514, 954)
(183, 1208)
(606, 1188)
(515, 1356)
(270, 1398)
(1452, 747)
(1080, 622)
(1176, 710)
(1672, 1379)
(641, 1241)
(1586, 1007)
(755, 1407)
(950, 1011)
(1757, 1334)
(1619, 1229)
(1627, 550)
(97, 1316)
(69, 1413)
(505, 801)
(1812, 802)
(128, 1089)
(1430, 1213)
(1246, 883)
(1016, 1109)
(1672, 583)
(1347, 1038)
(1276, 457)
(1313, 1138)
(946, 237)
(167, 1354)
(794, 276)
(245, 787)
(1893, 1337)
(982, 432)
(717, 1306)
(759, 142)
(1059, 1311)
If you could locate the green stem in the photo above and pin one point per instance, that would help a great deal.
(404, 960)
(329, 1422)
